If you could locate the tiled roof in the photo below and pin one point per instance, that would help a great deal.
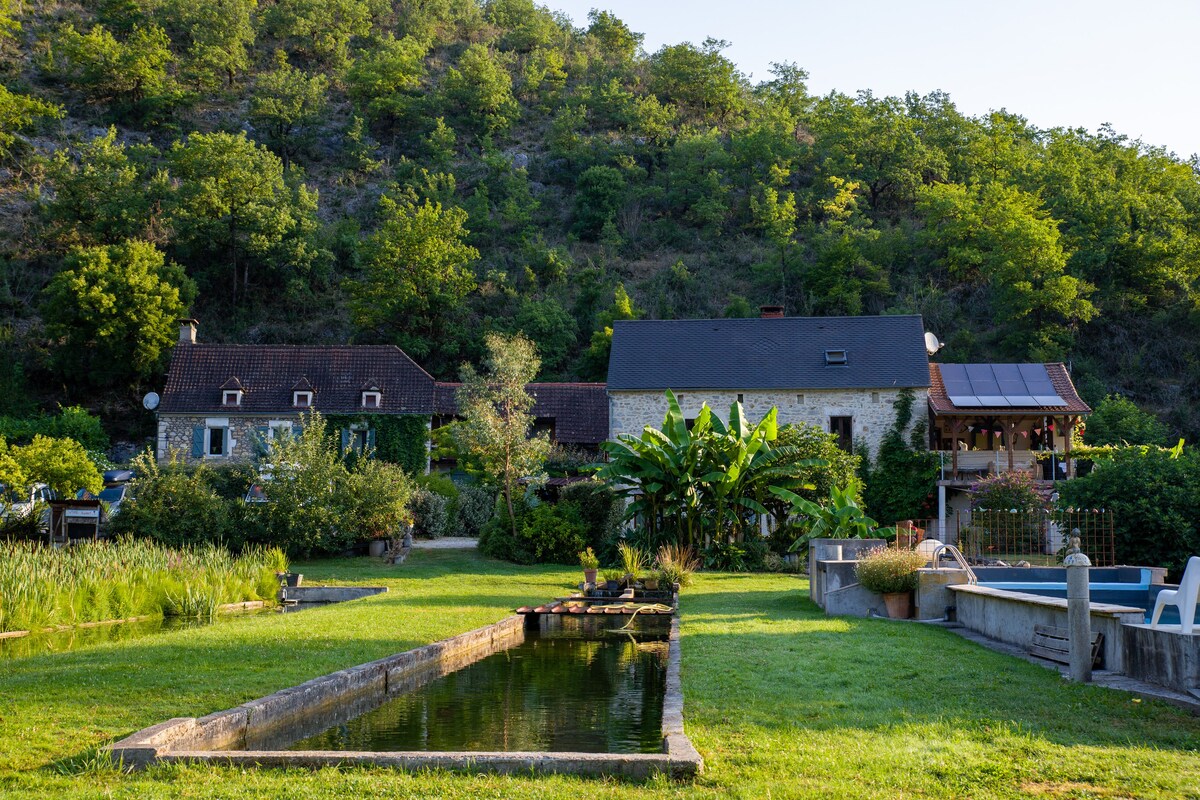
(773, 353)
(939, 401)
(579, 410)
(268, 374)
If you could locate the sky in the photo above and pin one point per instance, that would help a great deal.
(1055, 62)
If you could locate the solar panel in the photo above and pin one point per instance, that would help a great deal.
(999, 386)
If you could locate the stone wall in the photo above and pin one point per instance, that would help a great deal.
(175, 434)
(873, 410)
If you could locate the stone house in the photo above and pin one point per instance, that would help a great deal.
(842, 374)
(225, 403)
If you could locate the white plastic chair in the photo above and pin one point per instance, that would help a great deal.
(1184, 598)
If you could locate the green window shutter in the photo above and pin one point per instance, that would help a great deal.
(371, 440)
(197, 442)
(262, 439)
(345, 440)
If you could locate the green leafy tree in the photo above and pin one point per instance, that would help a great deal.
(1000, 237)
(552, 330)
(129, 76)
(599, 194)
(524, 26)
(105, 193)
(594, 363)
(775, 215)
(840, 275)
(12, 474)
(112, 313)
(699, 79)
(478, 91)
(61, 464)
(899, 482)
(236, 212)
(216, 37)
(385, 82)
(320, 30)
(1118, 420)
(20, 112)
(287, 105)
(497, 419)
(416, 273)
(615, 45)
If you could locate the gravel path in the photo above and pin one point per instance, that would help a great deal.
(446, 543)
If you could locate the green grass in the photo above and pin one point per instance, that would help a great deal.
(781, 701)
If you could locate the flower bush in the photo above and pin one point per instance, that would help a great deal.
(889, 570)
(1006, 491)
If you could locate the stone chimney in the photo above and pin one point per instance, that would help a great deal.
(771, 312)
(187, 331)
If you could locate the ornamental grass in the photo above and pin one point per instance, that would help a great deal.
(890, 570)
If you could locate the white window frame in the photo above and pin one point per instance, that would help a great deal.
(308, 399)
(356, 430)
(376, 396)
(236, 395)
(221, 424)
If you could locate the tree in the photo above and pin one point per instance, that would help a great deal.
(594, 364)
(61, 464)
(321, 29)
(129, 76)
(551, 329)
(616, 44)
(698, 78)
(416, 273)
(235, 211)
(285, 99)
(112, 312)
(12, 474)
(599, 195)
(1001, 237)
(479, 90)
(106, 193)
(216, 35)
(1118, 420)
(775, 216)
(19, 112)
(385, 82)
(497, 419)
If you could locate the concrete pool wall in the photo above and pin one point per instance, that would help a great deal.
(252, 734)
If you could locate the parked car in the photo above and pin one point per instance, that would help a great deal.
(20, 503)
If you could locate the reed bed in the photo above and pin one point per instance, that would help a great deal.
(41, 587)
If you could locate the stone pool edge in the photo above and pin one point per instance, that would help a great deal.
(209, 739)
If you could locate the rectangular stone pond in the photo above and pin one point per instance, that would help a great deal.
(559, 695)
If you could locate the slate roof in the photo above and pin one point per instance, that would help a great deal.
(772, 353)
(579, 410)
(268, 374)
(939, 400)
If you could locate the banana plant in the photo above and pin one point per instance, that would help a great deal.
(841, 518)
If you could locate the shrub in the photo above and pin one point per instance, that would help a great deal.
(603, 512)
(376, 498)
(549, 533)
(476, 507)
(676, 563)
(172, 505)
(890, 570)
(1006, 491)
(430, 517)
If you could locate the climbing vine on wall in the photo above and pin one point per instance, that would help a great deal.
(399, 439)
(900, 482)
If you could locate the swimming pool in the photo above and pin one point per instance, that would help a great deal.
(1122, 586)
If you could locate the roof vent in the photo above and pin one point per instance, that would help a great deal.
(835, 357)
(770, 312)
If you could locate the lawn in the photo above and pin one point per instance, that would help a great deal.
(781, 701)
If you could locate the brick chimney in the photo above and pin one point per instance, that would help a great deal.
(771, 312)
(187, 331)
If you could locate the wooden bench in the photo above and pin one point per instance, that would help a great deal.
(1054, 644)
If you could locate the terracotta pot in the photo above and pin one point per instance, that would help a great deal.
(651, 584)
(589, 576)
(899, 604)
(377, 548)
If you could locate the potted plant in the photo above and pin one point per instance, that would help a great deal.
(892, 572)
(633, 561)
(377, 547)
(612, 579)
(652, 580)
(589, 562)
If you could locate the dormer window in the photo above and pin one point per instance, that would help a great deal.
(371, 399)
(302, 399)
(231, 397)
(835, 357)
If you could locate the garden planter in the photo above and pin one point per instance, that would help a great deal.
(293, 579)
(589, 576)
(651, 585)
(899, 605)
(612, 586)
(377, 548)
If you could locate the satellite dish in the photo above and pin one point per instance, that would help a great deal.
(932, 345)
(150, 401)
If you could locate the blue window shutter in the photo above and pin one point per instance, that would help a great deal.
(345, 440)
(262, 440)
(371, 440)
(197, 442)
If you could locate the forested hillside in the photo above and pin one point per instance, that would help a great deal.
(420, 172)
